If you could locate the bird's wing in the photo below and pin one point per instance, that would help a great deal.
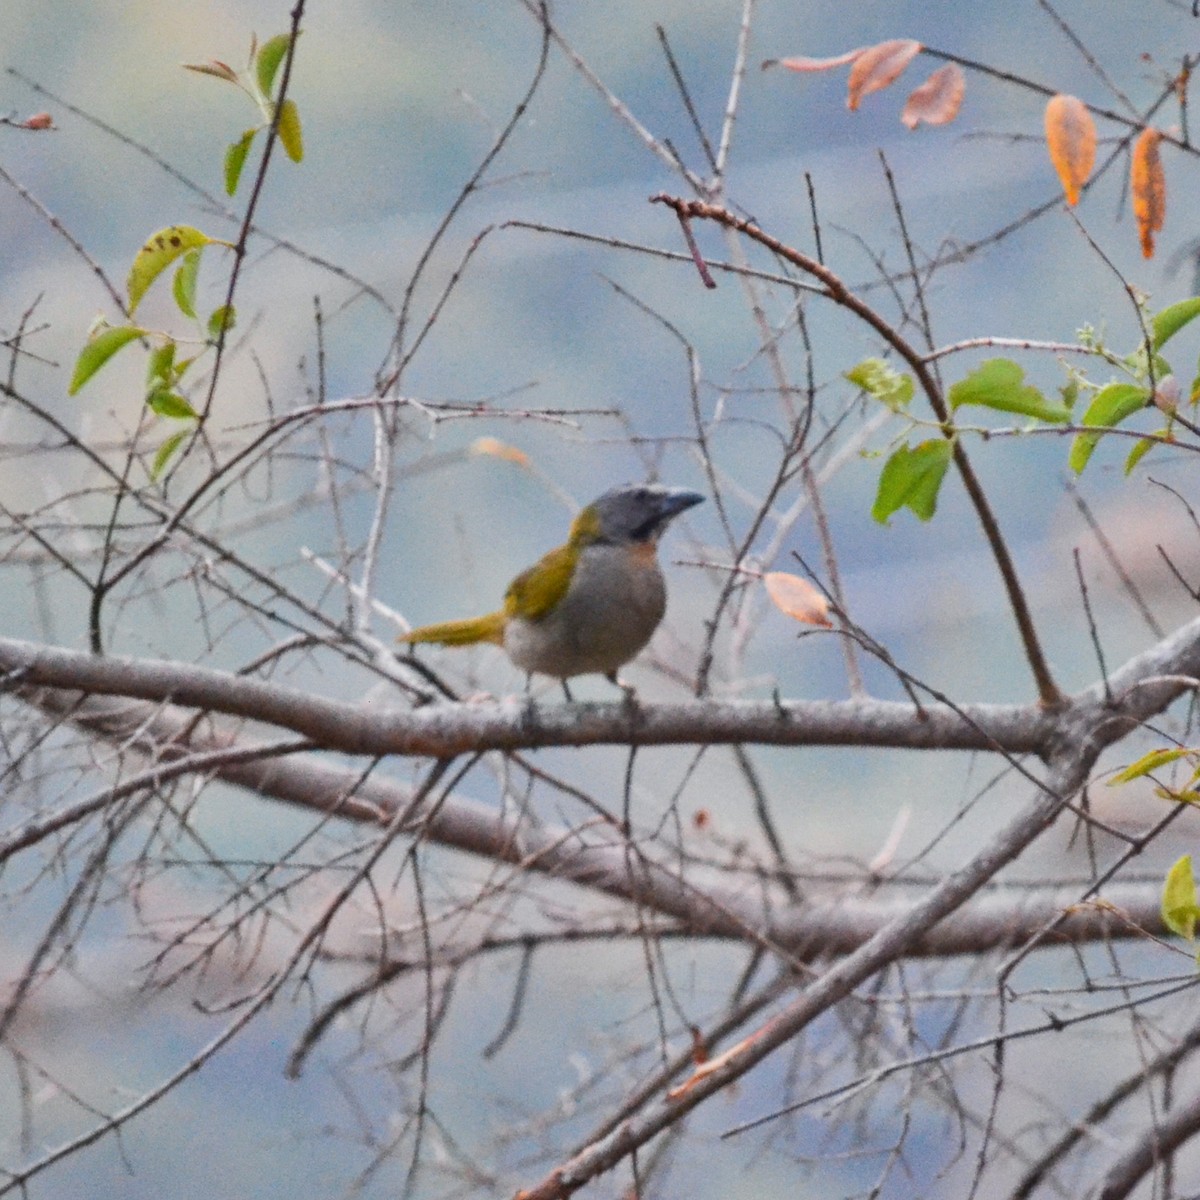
(535, 592)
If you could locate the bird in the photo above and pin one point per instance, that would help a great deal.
(591, 604)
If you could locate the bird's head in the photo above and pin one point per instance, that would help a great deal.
(631, 514)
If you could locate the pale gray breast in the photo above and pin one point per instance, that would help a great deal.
(613, 605)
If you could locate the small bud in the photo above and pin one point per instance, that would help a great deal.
(1166, 394)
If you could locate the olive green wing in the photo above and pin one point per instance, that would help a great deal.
(535, 593)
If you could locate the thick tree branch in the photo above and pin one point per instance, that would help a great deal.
(723, 904)
(445, 730)
(1143, 686)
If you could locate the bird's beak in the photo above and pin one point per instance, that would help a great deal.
(677, 500)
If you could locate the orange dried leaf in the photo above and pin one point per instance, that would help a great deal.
(1149, 187)
(878, 66)
(1071, 140)
(814, 64)
(937, 100)
(494, 448)
(42, 120)
(797, 598)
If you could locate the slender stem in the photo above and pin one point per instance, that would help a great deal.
(735, 88)
(1048, 691)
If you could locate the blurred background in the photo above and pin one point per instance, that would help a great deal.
(399, 102)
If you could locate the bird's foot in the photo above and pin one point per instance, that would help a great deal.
(630, 696)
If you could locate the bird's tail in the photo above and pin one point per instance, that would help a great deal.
(460, 633)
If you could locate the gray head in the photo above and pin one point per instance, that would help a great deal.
(634, 513)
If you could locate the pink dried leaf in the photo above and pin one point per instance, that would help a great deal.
(879, 66)
(801, 63)
(937, 100)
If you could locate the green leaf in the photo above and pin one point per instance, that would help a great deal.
(1180, 796)
(1110, 406)
(267, 61)
(289, 130)
(235, 160)
(911, 477)
(1000, 384)
(1179, 909)
(162, 359)
(168, 448)
(1069, 392)
(1149, 762)
(99, 350)
(170, 404)
(1142, 447)
(1172, 319)
(221, 321)
(883, 382)
(159, 252)
(184, 286)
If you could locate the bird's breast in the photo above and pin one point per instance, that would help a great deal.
(614, 603)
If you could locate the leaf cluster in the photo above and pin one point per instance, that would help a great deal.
(183, 245)
(912, 474)
(165, 368)
(258, 81)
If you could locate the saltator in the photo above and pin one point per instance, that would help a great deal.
(592, 603)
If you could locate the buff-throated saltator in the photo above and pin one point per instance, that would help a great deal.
(592, 603)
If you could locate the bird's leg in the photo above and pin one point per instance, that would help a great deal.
(630, 691)
(567, 691)
(530, 706)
